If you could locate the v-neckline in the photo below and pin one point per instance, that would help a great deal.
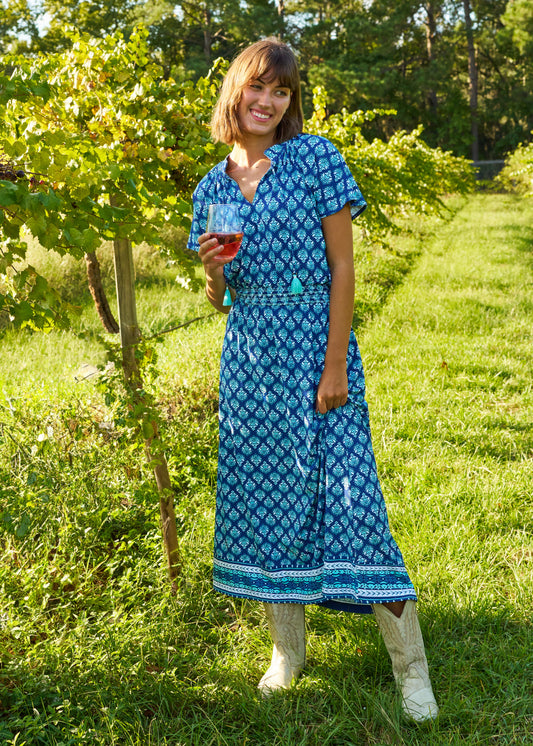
(250, 202)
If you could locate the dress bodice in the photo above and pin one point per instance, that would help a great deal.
(307, 180)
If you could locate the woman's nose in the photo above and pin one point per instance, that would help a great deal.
(265, 98)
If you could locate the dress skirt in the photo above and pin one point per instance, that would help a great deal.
(300, 516)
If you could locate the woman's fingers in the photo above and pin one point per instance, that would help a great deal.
(209, 251)
(332, 389)
(208, 246)
(325, 403)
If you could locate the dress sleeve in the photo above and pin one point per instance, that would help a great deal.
(200, 203)
(334, 184)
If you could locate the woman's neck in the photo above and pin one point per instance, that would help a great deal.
(249, 151)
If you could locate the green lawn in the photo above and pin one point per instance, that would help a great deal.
(95, 647)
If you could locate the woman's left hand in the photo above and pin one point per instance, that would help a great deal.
(332, 389)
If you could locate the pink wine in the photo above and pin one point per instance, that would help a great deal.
(230, 241)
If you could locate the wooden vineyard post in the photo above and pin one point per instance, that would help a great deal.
(94, 278)
(129, 338)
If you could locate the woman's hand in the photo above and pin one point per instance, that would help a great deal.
(208, 253)
(215, 285)
(332, 389)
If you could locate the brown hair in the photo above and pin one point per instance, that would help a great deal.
(268, 59)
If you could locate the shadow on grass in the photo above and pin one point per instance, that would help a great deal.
(520, 237)
(481, 663)
(375, 284)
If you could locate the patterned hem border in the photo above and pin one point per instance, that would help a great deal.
(313, 573)
(367, 598)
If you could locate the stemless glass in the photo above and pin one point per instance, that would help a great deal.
(224, 224)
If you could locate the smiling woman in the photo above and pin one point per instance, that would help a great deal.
(261, 64)
(300, 516)
(259, 113)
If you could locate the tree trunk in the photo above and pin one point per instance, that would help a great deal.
(208, 37)
(94, 279)
(281, 18)
(431, 35)
(472, 76)
(129, 337)
(127, 309)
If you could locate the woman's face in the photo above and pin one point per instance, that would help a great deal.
(262, 107)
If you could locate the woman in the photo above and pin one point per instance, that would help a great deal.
(300, 515)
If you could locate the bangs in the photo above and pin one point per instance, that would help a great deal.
(274, 63)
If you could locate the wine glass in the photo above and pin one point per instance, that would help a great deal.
(224, 224)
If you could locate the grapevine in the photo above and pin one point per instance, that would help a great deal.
(9, 171)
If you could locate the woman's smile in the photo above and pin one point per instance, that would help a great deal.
(262, 116)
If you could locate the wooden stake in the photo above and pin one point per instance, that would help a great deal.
(129, 338)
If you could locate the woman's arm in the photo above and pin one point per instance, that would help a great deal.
(215, 282)
(333, 386)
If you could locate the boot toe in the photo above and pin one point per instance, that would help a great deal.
(420, 706)
(275, 679)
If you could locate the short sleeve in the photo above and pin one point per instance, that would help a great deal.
(334, 185)
(200, 202)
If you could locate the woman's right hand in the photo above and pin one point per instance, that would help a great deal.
(214, 270)
(208, 253)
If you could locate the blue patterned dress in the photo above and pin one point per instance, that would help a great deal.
(300, 516)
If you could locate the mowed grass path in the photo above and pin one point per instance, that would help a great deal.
(112, 657)
(449, 367)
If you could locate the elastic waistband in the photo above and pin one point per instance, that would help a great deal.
(272, 297)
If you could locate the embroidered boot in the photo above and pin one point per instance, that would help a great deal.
(403, 640)
(287, 627)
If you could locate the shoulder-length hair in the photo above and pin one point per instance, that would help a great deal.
(268, 59)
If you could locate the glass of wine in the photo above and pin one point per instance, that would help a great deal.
(224, 224)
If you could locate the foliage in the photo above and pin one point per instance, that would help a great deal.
(93, 19)
(17, 19)
(111, 149)
(517, 173)
(399, 178)
(518, 19)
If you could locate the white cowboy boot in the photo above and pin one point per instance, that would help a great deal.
(287, 627)
(403, 640)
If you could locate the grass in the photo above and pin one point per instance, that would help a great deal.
(95, 648)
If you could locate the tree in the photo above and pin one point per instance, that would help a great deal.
(17, 26)
(434, 62)
(472, 78)
(99, 18)
(518, 18)
(517, 34)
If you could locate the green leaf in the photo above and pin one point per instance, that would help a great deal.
(37, 224)
(50, 200)
(50, 238)
(9, 193)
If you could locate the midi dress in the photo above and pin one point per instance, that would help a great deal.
(300, 515)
